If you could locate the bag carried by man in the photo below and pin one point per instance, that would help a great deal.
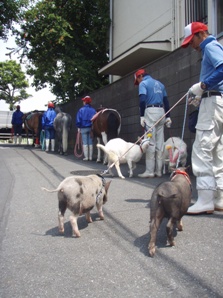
(192, 120)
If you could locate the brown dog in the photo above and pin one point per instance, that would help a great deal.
(170, 199)
(79, 194)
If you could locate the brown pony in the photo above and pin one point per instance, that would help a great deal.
(106, 125)
(33, 123)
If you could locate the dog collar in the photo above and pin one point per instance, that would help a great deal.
(140, 145)
(173, 175)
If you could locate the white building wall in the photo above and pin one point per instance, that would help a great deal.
(145, 20)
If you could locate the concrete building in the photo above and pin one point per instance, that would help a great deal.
(148, 34)
(145, 30)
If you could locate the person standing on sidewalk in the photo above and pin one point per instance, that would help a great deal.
(17, 124)
(47, 126)
(207, 151)
(153, 105)
(84, 124)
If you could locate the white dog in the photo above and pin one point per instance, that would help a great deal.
(174, 148)
(119, 151)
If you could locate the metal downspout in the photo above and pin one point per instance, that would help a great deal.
(111, 38)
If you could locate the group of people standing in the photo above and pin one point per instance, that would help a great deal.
(207, 151)
(47, 126)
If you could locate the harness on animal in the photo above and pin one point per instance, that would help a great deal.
(150, 130)
(101, 112)
(97, 114)
(103, 185)
(179, 172)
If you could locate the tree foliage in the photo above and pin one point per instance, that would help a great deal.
(10, 11)
(13, 83)
(66, 43)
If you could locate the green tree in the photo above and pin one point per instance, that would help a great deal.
(13, 83)
(10, 11)
(66, 43)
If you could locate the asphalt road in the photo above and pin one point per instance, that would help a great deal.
(110, 259)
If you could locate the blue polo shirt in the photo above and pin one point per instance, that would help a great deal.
(152, 92)
(212, 63)
(153, 89)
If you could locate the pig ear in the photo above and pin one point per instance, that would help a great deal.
(107, 184)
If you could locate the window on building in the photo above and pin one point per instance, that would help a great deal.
(196, 11)
(219, 14)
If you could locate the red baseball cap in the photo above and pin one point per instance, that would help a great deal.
(190, 30)
(87, 99)
(138, 73)
(50, 104)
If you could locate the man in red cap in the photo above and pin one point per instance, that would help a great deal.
(153, 105)
(47, 125)
(83, 123)
(207, 152)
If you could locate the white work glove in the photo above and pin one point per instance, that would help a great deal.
(194, 94)
(168, 122)
(142, 121)
(194, 101)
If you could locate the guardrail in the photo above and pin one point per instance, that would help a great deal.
(6, 136)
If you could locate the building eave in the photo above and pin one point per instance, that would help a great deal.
(136, 57)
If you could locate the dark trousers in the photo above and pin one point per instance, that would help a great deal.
(17, 129)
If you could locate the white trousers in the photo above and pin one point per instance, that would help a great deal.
(152, 115)
(207, 152)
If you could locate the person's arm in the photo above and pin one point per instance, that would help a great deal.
(215, 78)
(142, 104)
(166, 106)
(78, 120)
(43, 121)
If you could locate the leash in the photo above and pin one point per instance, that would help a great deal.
(103, 185)
(147, 132)
(78, 147)
(183, 130)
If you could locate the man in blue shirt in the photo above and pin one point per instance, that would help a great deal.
(153, 105)
(84, 124)
(207, 152)
(17, 124)
(47, 125)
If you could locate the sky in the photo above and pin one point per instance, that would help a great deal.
(39, 99)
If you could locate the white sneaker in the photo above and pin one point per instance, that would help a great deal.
(146, 175)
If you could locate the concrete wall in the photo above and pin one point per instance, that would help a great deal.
(177, 71)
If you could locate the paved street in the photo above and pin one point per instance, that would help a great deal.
(110, 259)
